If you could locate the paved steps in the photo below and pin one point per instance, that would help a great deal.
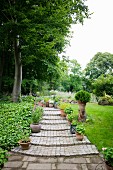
(51, 133)
(75, 150)
(56, 140)
(54, 121)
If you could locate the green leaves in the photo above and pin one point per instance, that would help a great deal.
(14, 119)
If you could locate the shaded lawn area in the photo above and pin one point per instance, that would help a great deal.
(99, 125)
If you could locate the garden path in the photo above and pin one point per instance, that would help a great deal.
(55, 148)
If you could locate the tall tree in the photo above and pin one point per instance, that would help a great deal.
(101, 63)
(37, 30)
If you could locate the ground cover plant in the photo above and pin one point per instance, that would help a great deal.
(99, 124)
(14, 121)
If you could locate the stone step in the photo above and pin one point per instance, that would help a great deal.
(52, 113)
(52, 117)
(57, 141)
(75, 150)
(43, 133)
(50, 109)
(50, 122)
(59, 127)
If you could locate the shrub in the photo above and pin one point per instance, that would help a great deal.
(14, 118)
(68, 110)
(3, 157)
(83, 96)
(105, 100)
(63, 105)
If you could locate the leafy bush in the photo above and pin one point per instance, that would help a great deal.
(68, 110)
(63, 105)
(14, 119)
(3, 157)
(83, 96)
(106, 100)
(28, 99)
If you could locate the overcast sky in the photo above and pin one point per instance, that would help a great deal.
(96, 35)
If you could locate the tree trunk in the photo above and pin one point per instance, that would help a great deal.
(82, 113)
(18, 72)
(2, 59)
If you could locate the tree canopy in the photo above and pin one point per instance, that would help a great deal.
(101, 63)
(32, 34)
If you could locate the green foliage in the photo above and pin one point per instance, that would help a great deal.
(68, 110)
(104, 84)
(14, 120)
(70, 117)
(3, 156)
(101, 63)
(63, 105)
(40, 27)
(37, 115)
(74, 122)
(71, 79)
(25, 138)
(105, 100)
(83, 96)
(28, 99)
(80, 129)
(108, 155)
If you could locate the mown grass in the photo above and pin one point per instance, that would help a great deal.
(99, 125)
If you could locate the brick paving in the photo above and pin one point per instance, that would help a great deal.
(55, 148)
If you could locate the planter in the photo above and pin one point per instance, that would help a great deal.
(62, 113)
(72, 129)
(40, 104)
(79, 136)
(55, 105)
(108, 167)
(35, 128)
(24, 146)
(51, 104)
(47, 104)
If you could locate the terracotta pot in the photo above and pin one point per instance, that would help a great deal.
(47, 104)
(24, 146)
(35, 128)
(79, 136)
(108, 167)
(63, 113)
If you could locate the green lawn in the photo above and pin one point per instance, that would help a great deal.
(99, 128)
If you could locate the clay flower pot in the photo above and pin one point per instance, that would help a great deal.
(24, 145)
(35, 128)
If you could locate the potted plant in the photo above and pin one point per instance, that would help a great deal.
(70, 118)
(36, 116)
(56, 100)
(24, 142)
(51, 103)
(82, 98)
(62, 107)
(108, 156)
(80, 131)
(46, 100)
(73, 127)
(68, 110)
